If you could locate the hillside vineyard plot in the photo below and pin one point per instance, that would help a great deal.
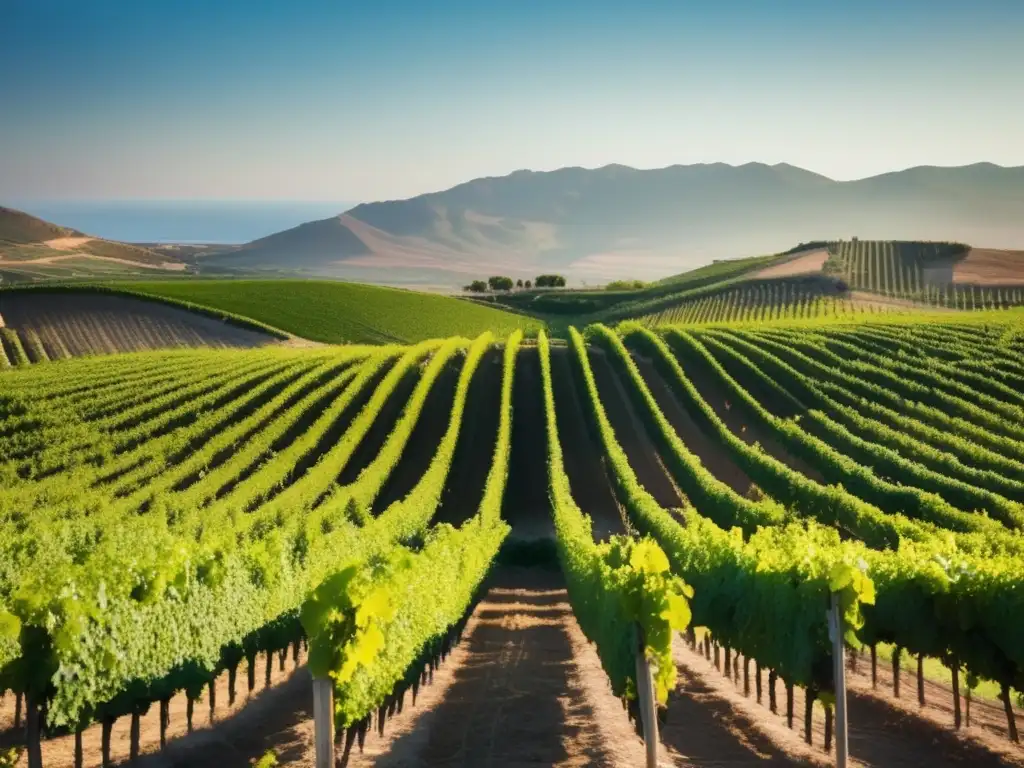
(168, 516)
(921, 271)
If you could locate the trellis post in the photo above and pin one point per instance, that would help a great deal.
(323, 721)
(645, 695)
(835, 631)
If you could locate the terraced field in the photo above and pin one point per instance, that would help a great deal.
(169, 518)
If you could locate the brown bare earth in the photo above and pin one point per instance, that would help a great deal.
(805, 263)
(66, 243)
(524, 688)
(92, 324)
(981, 266)
(987, 266)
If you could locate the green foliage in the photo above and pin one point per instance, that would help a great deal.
(14, 349)
(338, 312)
(500, 283)
(924, 578)
(373, 621)
(891, 268)
(218, 473)
(715, 499)
(268, 760)
(868, 470)
(767, 596)
(242, 580)
(549, 281)
(891, 456)
(344, 616)
(753, 301)
(625, 285)
(617, 585)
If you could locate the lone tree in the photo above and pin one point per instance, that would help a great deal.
(550, 281)
(477, 286)
(500, 283)
(528, 285)
(519, 283)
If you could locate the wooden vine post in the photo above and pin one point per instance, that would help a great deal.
(835, 631)
(645, 695)
(34, 731)
(323, 721)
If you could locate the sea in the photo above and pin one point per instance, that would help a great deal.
(182, 221)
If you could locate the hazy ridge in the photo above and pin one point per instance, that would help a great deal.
(618, 221)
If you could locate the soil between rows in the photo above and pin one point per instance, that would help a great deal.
(582, 451)
(474, 451)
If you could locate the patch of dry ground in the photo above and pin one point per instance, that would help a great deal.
(66, 243)
(988, 266)
(981, 266)
(805, 263)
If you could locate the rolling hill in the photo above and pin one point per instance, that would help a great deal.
(334, 312)
(33, 249)
(611, 222)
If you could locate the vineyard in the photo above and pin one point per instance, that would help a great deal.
(170, 518)
(44, 326)
(922, 272)
(754, 301)
(846, 280)
(336, 312)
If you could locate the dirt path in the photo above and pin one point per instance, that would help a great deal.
(524, 688)
(988, 720)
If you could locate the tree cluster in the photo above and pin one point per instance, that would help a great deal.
(550, 281)
(497, 283)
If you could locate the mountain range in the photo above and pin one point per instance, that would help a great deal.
(616, 221)
(591, 225)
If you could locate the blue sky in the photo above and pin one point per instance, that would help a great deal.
(338, 100)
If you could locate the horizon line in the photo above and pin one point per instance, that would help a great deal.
(353, 203)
